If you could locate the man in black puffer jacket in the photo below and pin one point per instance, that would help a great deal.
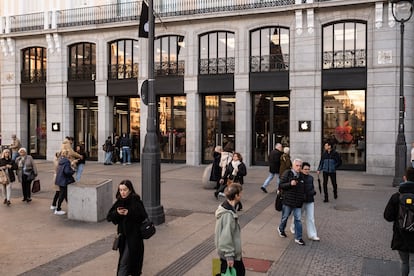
(293, 190)
(402, 240)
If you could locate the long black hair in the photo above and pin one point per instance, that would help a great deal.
(130, 187)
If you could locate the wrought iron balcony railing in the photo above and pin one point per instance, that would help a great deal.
(344, 59)
(85, 72)
(169, 68)
(123, 71)
(33, 76)
(130, 12)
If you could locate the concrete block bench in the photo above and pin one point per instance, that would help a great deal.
(90, 199)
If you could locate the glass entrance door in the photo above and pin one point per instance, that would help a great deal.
(172, 123)
(127, 120)
(270, 124)
(37, 128)
(86, 126)
(218, 123)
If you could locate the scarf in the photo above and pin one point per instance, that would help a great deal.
(235, 165)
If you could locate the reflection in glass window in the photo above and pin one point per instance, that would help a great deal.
(123, 59)
(344, 45)
(34, 65)
(82, 61)
(217, 52)
(269, 49)
(167, 55)
(344, 123)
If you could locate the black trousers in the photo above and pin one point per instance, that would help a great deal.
(26, 183)
(238, 265)
(63, 195)
(325, 183)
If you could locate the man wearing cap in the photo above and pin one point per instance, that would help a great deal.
(15, 146)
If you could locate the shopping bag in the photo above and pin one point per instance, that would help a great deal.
(35, 186)
(230, 271)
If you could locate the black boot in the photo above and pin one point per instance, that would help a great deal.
(326, 199)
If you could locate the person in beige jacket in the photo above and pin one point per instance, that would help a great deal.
(26, 173)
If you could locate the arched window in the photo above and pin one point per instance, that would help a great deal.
(216, 53)
(344, 45)
(34, 65)
(82, 61)
(123, 59)
(269, 49)
(166, 55)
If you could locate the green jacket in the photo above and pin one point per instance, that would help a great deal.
(227, 238)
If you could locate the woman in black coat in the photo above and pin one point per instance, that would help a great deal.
(128, 213)
(8, 165)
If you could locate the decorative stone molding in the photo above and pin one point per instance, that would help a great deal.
(310, 20)
(391, 20)
(298, 14)
(379, 9)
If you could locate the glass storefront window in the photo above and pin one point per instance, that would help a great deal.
(344, 45)
(123, 59)
(344, 125)
(216, 53)
(167, 55)
(269, 49)
(82, 61)
(34, 65)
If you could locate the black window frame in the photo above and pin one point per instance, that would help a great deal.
(172, 68)
(355, 58)
(123, 70)
(276, 62)
(83, 68)
(34, 75)
(229, 62)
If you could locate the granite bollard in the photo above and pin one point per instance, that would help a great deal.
(90, 199)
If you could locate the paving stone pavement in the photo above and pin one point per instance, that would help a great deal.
(355, 239)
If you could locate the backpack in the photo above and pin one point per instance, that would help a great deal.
(104, 147)
(406, 212)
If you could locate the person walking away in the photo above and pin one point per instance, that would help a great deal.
(8, 165)
(274, 167)
(116, 158)
(329, 163)
(402, 240)
(235, 172)
(226, 158)
(126, 144)
(81, 162)
(293, 187)
(215, 174)
(285, 162)
(227, 231)
(64, 177)
(128, 213)
(26, 173)
(15, 146)
(109, 148)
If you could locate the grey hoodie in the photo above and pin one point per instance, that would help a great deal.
(227, 238)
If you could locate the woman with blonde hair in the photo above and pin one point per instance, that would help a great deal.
(8, 165)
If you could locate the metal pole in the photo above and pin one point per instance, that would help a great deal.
(151, 151)
(401, 146)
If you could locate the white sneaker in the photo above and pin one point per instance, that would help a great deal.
(52, 207)
(315, 238)
(59, 213)
(221, 194)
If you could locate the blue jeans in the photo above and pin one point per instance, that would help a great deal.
(297, 213)
(269, 178)
(108, 157)
(126, 155)
(79, 172)
(407, 263)
(15, 155)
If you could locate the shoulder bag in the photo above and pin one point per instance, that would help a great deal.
(147, 229)
(278, 201)
(4, 179)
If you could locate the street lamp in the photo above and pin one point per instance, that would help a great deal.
(402, 10)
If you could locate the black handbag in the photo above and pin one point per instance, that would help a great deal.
(147, 229)
(278, 201)
(115, 244)
(35, 186)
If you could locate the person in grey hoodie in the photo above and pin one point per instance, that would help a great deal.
(227, 233)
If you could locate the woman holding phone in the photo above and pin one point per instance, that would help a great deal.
(128, 213)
